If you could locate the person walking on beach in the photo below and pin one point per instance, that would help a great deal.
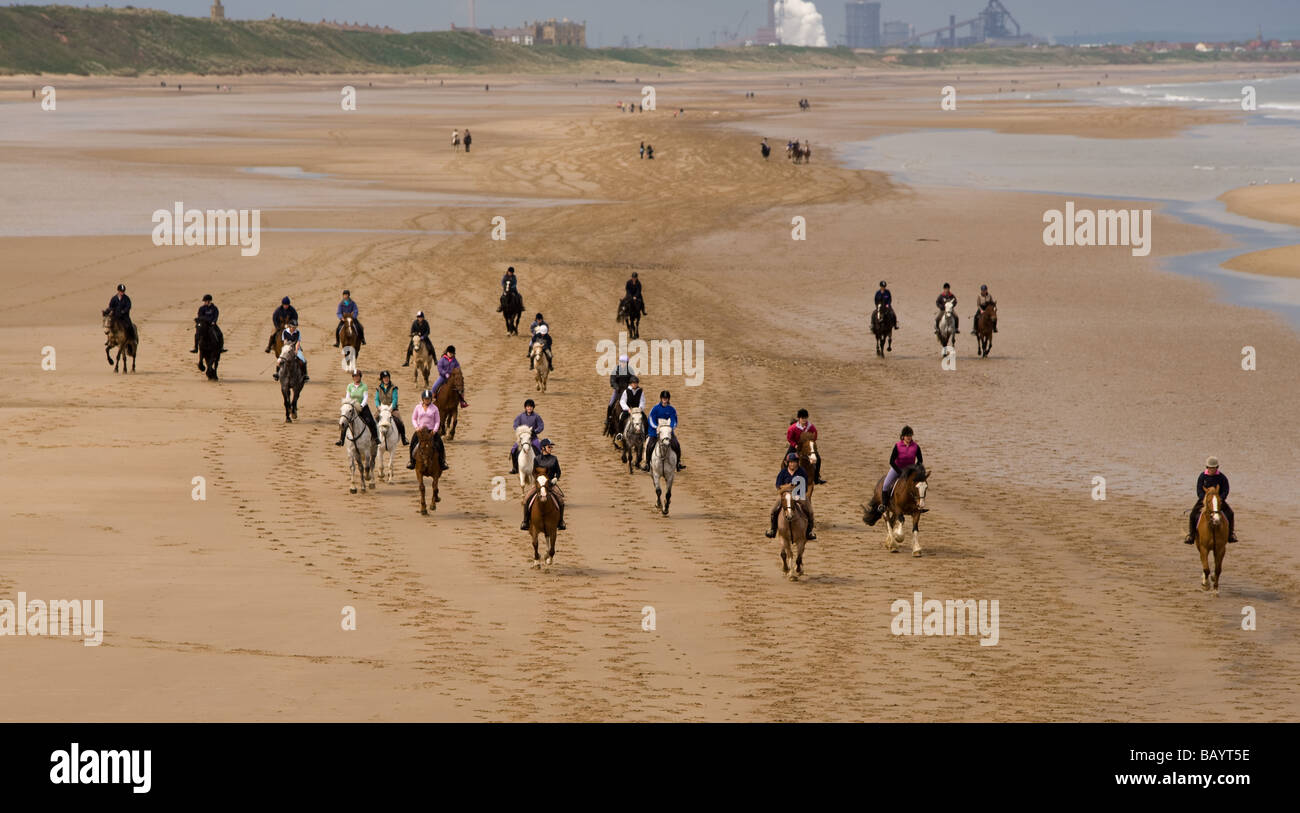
(643, 149)
(466, 140)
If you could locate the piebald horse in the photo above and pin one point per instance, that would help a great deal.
(792, 528)
(1211, 535)
(350, 343)
(663, 466)
(360, 446)
(524, 455)
(389, 442)
(543, 518)
(538, 356)
(907, 500)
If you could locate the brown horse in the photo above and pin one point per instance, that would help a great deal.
(792, 528)
(448, 401)
(907, 500)
(985, 321)
(883, 322)
(543, 517)
(350, 342)
(122, 335)
(427, 464)
(808, 457)
(1211, 535)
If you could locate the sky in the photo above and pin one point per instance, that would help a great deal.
(688, 23)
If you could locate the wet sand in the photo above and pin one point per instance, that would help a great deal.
(229, 609)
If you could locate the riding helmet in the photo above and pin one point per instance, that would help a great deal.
(882, 283)
(529, 403)
(634, 380)
(385, 374)
(427, 394)
(346, 292)
(419, 314)
(510, 270)
(946, 286)
(1211, 462)
(451, 348)
(546, 442)
(207, 297)
(538, 316)
(284, 301)
(907, 430)
(803, 413)
(121, 287)
(984, 287)
(356, 373)
(665, 394)
(792, 456)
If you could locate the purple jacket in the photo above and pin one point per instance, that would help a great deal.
(533, 421)
(446, 365)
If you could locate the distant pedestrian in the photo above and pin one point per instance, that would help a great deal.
(642, 149)
(467, 140)
(650, 152)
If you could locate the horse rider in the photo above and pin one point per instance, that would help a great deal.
(446, 364)
(1211, 477)
(619, 379)
(905, 453)
(886, 298)
(357, 395)
(533, 421)
(795, 434)
(983, 301)
(633, 288)
(348, 308)
(548, 461)
(289, 335)
(120, 307)
(207, 313)
(425, 416)
(419, 326)
(792, 472)
(943, 299)
(537, 322)
(281, 317)
(509, 283)
(663, 410)
(543, 337)
(386, 393)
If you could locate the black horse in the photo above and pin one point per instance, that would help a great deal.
(883, 322)
(629, 313)
(291, 382)
(512, 305)
(211, 345)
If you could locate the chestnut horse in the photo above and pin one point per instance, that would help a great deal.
(350, 343)
(985, 321)
(808, 459)
(447, 400)
(907, 500)
(792, 528)
(1211, 535)
(427, 464)
(543, 517)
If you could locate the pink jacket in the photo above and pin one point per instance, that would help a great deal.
(422, 418)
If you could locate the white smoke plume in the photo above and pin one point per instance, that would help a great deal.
(799, 23)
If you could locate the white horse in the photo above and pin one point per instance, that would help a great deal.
(455, 140)
(948, 328)
(663, 465)
(389, 442)
(633, 437)
(360, 446)
(538, 356)
(524, 456)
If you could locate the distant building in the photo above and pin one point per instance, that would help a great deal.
(894, 32)
(518, 36)
(218, 10)
(346, 26)
(862, 20)
(767, 35)
(560, 32)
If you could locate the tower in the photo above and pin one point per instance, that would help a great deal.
(473, 24)
(218, 11)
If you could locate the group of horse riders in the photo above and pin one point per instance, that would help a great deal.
(885, 299)
(544, 451)
(625, 389)
(792, 473)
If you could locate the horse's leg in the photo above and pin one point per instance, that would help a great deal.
(1204, 549)
(668, 493)
(419, 477)
(108, 354)
(786, 553)
(534, 530)
(916, 534)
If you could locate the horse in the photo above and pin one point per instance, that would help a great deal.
(291, 383)
(211, 345)
(632, 438)
(1211, 535)
(906, 500)
(883, 322)
(350, 337)
(524, 455)
(427, 464)
(538, 356)
(663, 466)
(276, 342)
(948, 328)
(423, 360)
(447, 400)
(629, 313)
(455, 141)
(792, 528)
(512, 307)
(985, 321)
(613, 421)
(808, 461)
(123, 335)
(797, 152)
(543, 518)
(389, 441)
(360, 446)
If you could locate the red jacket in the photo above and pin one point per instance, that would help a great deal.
(794, 433)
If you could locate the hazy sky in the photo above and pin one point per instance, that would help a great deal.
(674, 23)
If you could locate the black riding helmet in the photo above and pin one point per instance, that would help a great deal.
(882, 283)
(664, 394)
(451, 348)
(207, 297)
(121, 287)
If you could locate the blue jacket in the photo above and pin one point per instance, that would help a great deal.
(347, 307)
(120, 306)
(786, 477)
(209, 313)
(884, 297)
(508, 282)
(660, 412)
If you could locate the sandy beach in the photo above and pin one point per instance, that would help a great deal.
(1105, 365)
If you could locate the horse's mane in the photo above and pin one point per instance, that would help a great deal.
(916, 472)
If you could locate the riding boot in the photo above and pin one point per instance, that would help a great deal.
(336, 333)
(442, 454)
(1191, 528)
(514, 462)
(409, 349)
(1232, 527)
(817, 474)
(401, 431)
(305, 377)
(361, 332)
(677, 448)
(550, 364)
(276, 374)
(810, 536)
(771, 532)
(523, 526)
(415, 442)
(196, 343)
(561, 526)
(342, 434)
